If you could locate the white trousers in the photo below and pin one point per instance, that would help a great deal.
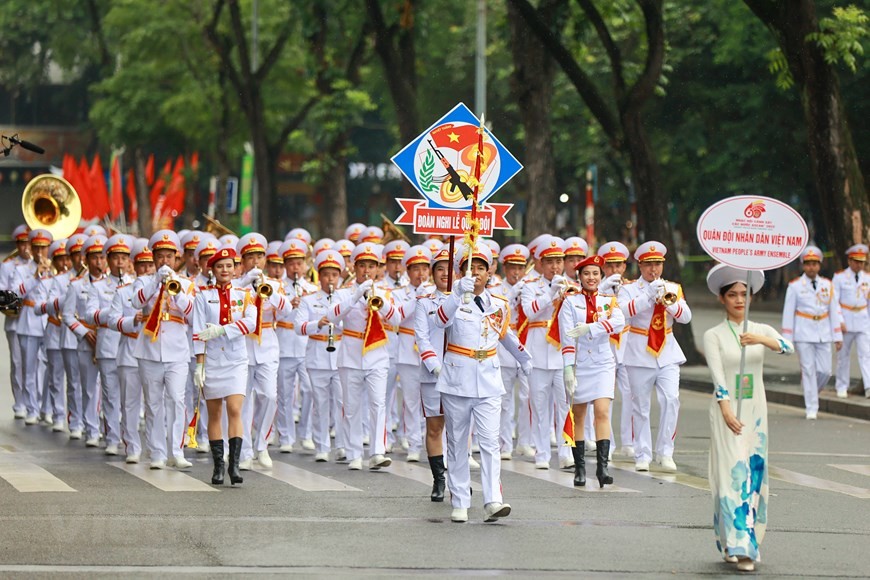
(259, 408)
(516, 414)
(73, 389)
(459, 414)
(131, 404)
(412, 406)
(626, 433)
(815, 361)
(110, 402)
(391, 400)
(291, 369)
(861, 340)
(90, 393)
(163, 386)
(54, 386)
(325, 394)
(15, 371)
(30, 346)
(666, 381)
(356, 385)
(549, 410)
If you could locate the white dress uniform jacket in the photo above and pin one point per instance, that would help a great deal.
(31, 322)
(311, 309)
(638, 309)
(97, 313)
(172, 344)
(811, 315)
(538, 308)
(353, 315)
(852, 290)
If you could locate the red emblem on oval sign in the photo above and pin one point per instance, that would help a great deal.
(754, 209)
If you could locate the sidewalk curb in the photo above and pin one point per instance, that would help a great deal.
(834, 406)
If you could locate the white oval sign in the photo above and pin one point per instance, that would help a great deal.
(752, 232)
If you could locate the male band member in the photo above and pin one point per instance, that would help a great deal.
(345, 248)
(353, 231)
(494, 278)
(615, 256)
(363, 360)
(852, 288)
(416, 264)
(292, 350)
(430, 343)
(811, 319)
(189, 242)
(393, 278)
(22, 247)
(470, 382)
(261, 399)
(321, 362)
(128, 321)
(652, 355)
(207, 247)
(541, 300)
(513, 258)
(68, 340)
(74, 317)
(97, 312)
(54, 289)
(190, 270)
(31, 324)
(166, 301)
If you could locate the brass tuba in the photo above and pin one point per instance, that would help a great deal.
(49, 202)
(392, 231)
(213, 226)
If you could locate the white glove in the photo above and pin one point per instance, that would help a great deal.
(652, 289)
(557, 285)
(362, 289)
(250, 277)
(570, 382)
(580, 330)
(466, 284)
(199, 375)
(526, 368)
(165, 271)
(437, 371)
(516, 290)
(609, 284)
(211, 331)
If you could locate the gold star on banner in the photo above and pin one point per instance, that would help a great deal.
(454, 138)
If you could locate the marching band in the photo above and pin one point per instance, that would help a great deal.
(231, 345)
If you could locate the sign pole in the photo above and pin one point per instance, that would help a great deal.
(742, 347)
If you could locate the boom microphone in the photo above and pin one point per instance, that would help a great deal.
(27, 145)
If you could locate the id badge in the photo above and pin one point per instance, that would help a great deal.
(748, 385)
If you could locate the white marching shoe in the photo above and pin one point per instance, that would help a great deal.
(590, 445)
(641, 465)
(77, 434)
(812, 416)
(321, 457)
(506, 456)
(308, 445)
(542, 465)
(111, 449)
(180, 462)
(525, 451)
(413, 457)
(246, 464)
(158, 464)
(93, 442)
(378, 461)
(58, 427)
(355, 465)
(493, 511)
(286, 448)
(665, 463)
(625, 452)
(264, 460)
(31, 420)
(459, 515)
(133, 458)
(566, 463)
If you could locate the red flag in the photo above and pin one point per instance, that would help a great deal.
(375, 336)
(83, 187)
(456, 137)
(160, 184)
(117, 199)
(131, 196)
(568, 427)
(174, 202)
(194, 162)
(149, 171)
(99, 191)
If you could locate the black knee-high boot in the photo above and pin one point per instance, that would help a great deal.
(579, 451)
(217, 456)
(235, 455)
(436, 464)
(602, 456)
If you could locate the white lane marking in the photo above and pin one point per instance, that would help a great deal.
(563, 478)
(679, 478)
(419, 473)
(164, 479)
(815, 454)
(301, 478)
(818, 483)
(858, 468)
(28, 477)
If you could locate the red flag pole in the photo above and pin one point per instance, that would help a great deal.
(474, 227)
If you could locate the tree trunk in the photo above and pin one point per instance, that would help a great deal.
(265, 162)
(142, 197)
(840, 189)
(532, 86)
(334, 215)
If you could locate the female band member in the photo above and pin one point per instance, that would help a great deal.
(586, 321)
(738, 444)
(222, 316)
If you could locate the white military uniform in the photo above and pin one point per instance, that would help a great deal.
(10, 326)
(100, 302)
(430, 343)
(122, 317)
(362, 373)
(54, 292)
(647, 369)
(811, 320)
(164, 361)
(852, 290)
(69, 343)
(73, 311)
(471, 388)
(30, 330)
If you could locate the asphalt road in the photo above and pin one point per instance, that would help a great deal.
(311, 519)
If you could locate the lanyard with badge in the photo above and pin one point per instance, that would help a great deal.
(747, 379)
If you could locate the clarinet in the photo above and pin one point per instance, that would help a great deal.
(330, 339)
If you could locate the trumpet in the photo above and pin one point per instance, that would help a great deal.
(330, 338)
(568, 289)
(373, 301)
(665, 296)
(263, 288)
(172, 285)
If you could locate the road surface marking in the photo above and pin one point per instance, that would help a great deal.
(28, 477)
(163, 479)
(419, 473)
(679, 478)
(301, 478)
(858, 468)
(818, 483)
(563, 478)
